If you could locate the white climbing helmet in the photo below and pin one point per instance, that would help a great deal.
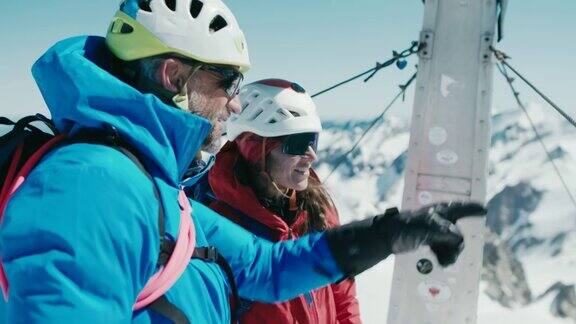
(202, 30)
(274, 107)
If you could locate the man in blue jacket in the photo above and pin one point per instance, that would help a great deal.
(80, 237)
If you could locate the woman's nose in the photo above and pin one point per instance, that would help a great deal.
(311, 154)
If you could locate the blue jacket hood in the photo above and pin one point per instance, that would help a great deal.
(81, 94)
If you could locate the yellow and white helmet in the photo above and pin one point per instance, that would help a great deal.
(201, 30)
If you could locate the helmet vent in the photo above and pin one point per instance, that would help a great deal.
(282, 113)
(255, 115)
(120, 27)
(295, 114)
(126, 29)
(145, 5)
(217, 23)
(171, 4)
(272, 121)
(195, 8)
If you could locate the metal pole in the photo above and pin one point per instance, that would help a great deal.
(447, 158)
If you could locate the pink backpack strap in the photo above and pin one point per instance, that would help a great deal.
(162, 280)
(3, 281)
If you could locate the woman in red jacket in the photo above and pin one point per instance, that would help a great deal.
(263, 180)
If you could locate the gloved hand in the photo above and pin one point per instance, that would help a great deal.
(359, 245)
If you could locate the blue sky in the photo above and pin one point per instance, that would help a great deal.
(315, 43)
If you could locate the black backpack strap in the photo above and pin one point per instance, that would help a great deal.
(235, 296)
(26, 123)
(211, 254)
(165, 308)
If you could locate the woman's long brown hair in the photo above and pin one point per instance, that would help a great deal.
(315, 199)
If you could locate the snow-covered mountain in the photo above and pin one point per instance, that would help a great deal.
(530, 254)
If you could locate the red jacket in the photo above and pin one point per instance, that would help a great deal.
(336, 303)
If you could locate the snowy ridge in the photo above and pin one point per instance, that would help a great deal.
(530, 257)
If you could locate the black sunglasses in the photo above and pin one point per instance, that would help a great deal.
(297, 144)
(230, 78)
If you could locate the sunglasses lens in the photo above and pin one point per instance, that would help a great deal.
(230, 78)
(231, 85)
(298, 144)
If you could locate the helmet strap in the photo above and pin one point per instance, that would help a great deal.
(285, 193)
(263, 156)
(181, 98)
(147, 85)
(293, 206)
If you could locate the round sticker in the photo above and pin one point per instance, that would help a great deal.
(437, 135)
(447, 157)
(424, 266)
(424, 197)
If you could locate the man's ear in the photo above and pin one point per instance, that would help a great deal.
(169, 74)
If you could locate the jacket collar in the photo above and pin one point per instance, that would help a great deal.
(80, 93)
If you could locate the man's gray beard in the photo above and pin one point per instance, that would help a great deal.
(214, 146)
(198, 105)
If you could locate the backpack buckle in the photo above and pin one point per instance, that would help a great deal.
(208, 253)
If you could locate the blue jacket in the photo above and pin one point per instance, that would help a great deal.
(80, 237)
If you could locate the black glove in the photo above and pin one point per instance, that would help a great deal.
(359, 245)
